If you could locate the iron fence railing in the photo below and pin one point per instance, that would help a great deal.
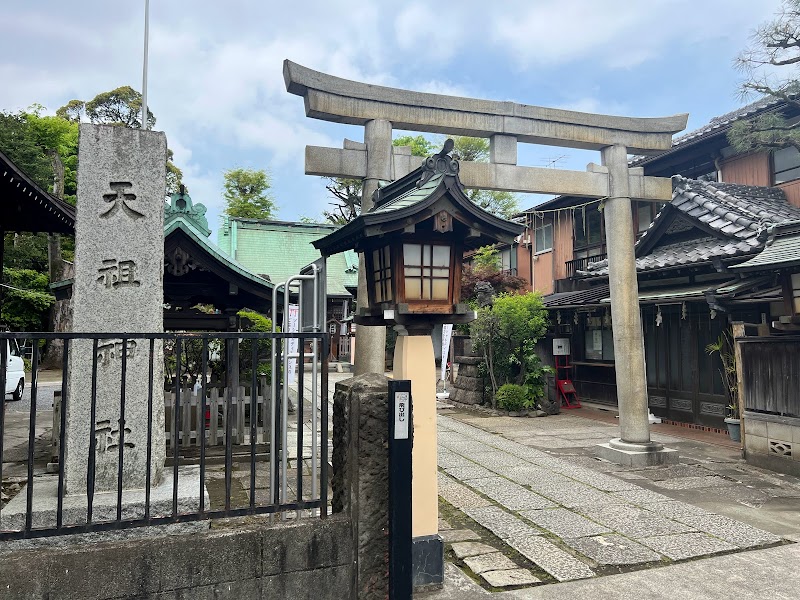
(580, 264)
(252, 428)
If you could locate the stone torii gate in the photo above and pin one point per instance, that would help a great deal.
(380, 109)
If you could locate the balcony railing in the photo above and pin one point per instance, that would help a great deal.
(580, 264)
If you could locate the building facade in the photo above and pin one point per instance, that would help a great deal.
(722, 208)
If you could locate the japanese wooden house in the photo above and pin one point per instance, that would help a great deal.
(723, 206)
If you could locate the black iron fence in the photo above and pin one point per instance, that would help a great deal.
(97, 484)
(580, 264)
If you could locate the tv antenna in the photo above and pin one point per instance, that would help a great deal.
(552, 162)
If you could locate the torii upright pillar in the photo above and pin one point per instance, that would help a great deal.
(506, 124)
(370, 353)
(634, 446)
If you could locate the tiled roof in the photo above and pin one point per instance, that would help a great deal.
(735, 218)
(715, 126)
(753, 289)
(28, 207)
(280, 249)
(782, 249)
(578, 298)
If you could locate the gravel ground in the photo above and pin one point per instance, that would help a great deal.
(44, 397)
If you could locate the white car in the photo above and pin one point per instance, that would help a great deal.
(15, 371)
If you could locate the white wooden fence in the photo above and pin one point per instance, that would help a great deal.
(216, 417)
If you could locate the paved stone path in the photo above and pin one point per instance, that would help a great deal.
(515, 514)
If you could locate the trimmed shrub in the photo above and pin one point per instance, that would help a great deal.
(513, 397)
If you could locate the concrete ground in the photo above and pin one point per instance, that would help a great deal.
(527, 511)
(525, 506)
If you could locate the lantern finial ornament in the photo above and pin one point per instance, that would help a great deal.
(439, 164)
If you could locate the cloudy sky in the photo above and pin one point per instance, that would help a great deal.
(217, 90)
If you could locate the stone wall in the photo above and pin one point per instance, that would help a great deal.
(310, 559)
(772, 442)
(468, 386)
(360, 480)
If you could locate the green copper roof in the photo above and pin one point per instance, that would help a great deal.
(181, 204)
(406, 203)
(412, 196)
(199, 236)
(280, 249)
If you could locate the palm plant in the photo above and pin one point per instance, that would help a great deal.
(724, 347)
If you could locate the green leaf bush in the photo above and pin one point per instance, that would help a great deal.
(511, 396)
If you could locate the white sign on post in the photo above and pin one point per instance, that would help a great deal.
(291, 343)
(401, 415)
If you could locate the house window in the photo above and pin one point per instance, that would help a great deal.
(382, 273)
(544, 238)
(785, 164)
(645, 212)
(588, 226)
(427, 271)
(505, 259)
(599, 344)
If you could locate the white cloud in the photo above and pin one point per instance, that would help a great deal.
(616, 33)
(216, 82)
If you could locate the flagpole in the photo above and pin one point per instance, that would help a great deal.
(144, 68)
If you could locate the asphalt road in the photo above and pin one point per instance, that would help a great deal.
(44, 397)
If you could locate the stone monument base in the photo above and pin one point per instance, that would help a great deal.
(104, 506)
(427, 563)
(637, 455)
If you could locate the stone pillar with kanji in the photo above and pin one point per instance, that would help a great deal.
(118, 289)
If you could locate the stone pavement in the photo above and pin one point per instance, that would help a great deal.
(524, 503)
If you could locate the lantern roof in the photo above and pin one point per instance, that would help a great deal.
(432, 187)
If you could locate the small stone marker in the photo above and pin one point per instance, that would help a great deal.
(119, 287)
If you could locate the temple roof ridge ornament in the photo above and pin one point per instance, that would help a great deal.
(180, 204)
(441, 163)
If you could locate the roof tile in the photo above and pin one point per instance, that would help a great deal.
(738, 214)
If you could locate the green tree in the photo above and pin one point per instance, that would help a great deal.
(58, 140)
(770, 66)
(420, 145)
(246, 193)
(506, 333)
(471, 149)
(122, 107)
(26, 299)
(346, 192)
(45, 148)
(486, 268)
(486, 258)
